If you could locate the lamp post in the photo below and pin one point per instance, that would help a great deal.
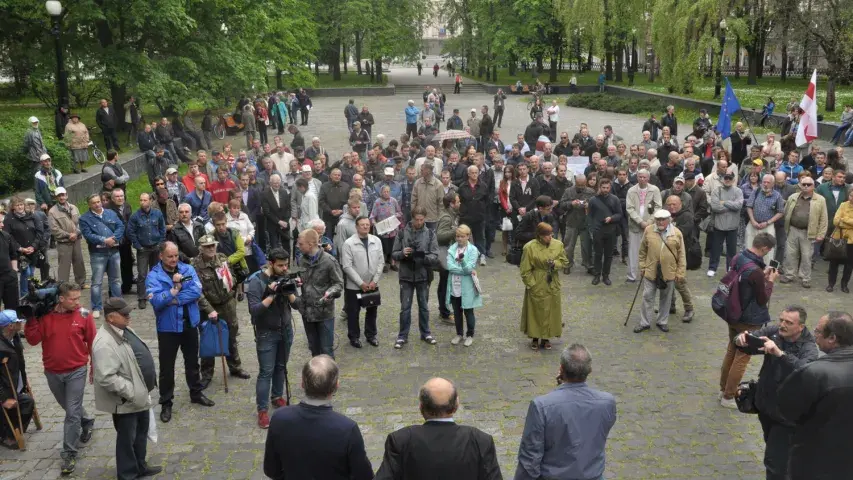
(56, 12)
(719, 80)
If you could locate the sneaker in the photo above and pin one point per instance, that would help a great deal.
(456, 340)
(429, 339)
(807, 284)
(68, 466)
(399, 343)
(688, 316)
(279, 402)
(728, 403)
(96, 314)
(263, 419)
(468, 341)
(482, 260)
(711, 273)
(86, 432)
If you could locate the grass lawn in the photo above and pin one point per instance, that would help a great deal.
(750, 96)
(350, 79)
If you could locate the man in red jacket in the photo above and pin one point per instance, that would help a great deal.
(221, 187)
(66, 335)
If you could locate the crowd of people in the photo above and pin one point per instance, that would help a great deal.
(293, 227)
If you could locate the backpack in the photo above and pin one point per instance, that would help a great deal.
(726, 301)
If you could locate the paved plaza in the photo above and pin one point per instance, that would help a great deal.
(669, 426)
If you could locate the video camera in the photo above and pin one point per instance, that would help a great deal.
(40, 300)
(284, 285)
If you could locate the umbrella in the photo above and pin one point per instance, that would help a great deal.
(451, 135)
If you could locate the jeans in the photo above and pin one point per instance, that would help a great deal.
(353, 310)
(603, 243)
(170, 342)
(131, 444)
(443, 275)
(840, 130)
(730, 239)
(23, 279)
(407, 291)
(67, 389)
(100, 262)
(469, 317)
(735, 361)
(321, 337)
(273, 349)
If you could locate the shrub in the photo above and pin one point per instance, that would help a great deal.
(16, 171)
(613, 103)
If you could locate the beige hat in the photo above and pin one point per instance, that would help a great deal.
(662, 214)
(306, 168)
(171, 170)
(211, 240)
(389, 171)
(43, 157)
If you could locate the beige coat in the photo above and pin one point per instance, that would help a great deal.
(428, 195)
(119, 386)
(818, 216)
(641, 213)
(843, 221)
(76, 136)
(63, 222)
(652, 250)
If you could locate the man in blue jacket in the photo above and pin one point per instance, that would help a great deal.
(412, 113)
(174, 290)
(103, 231)
(146, 229)
(199, 199)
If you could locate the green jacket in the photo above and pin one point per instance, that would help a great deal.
(825, 191)
(212, 285)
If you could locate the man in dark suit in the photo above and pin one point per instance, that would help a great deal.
(276, 206)
(740, 143)
(439, 448)
(310, 440)
(105, 117)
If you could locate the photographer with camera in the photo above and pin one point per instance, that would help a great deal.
(66, 335)
(321, 283)
(786, 347)
(270, 294)
(174, 290)
(416, 251)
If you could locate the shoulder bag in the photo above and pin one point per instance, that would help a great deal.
(835, 247)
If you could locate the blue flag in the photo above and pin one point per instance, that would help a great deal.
(729, 106)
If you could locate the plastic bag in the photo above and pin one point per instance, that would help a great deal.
(152, 425)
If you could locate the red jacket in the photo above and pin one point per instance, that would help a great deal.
(219, 190)
(66, 339)
(189, 181)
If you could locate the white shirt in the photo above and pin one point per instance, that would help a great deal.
(308, 210)
(436, 169)
(189, 227)
(275, 195)
(554, 113)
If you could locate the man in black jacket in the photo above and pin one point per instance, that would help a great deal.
(536, 129)
(787, 346)
(275, 202)
(670, 121)
(439, 448)
(815, 398)
(605, 215)
(119, 205)
(311, 440)
(486, 127)
(105, 117)
(475, 197)
(524, 191)
(740, 144)
(332, 198)
(526, 230)
(11, 352)
(186, 234)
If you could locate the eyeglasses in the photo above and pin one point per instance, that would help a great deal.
(807, 184)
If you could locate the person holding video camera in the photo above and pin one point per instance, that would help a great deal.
(271, 293)
(321, 283)
(786, 347)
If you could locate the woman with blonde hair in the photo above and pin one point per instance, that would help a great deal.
(463, 294)
(541, 312)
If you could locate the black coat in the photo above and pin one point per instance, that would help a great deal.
(106, 121)
(526, 229)
(486, 126)
(817, 398)
(740, 147)
(187, 244)
(475, 202)
(525, 198)
(671, 122)
(275, 212)
(439, 450)
(533, 132)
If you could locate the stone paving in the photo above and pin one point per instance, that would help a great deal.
(669, 425)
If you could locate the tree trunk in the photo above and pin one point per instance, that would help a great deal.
(737, 56)
(805, 67)
(378, 70)
(652, 67)
(830, 95)
(335, 61)
(560, 63)
(513, 61)
(279, 84)
(495, 73)
(608, 43)
(539, 67)
(552, 76)
(358, 40)
(368, 67)
(589, 57)
(619, 60)
(317, 68)
(118, 92)
(345, 57)
(754, 63)
(784, 73)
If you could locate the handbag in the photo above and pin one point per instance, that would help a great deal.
(705, 225)
(745, 397)
(506, 225)
(835, 249)
(369, 299)
(513, 256)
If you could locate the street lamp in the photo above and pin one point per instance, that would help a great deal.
(719, 81)
(56, 12)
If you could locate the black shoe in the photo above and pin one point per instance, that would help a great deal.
(68, 466)
(830, 288)
(490, 254)
(165, 413)
(845, 289)
(142, 304)
(355, 343)
(240, 297)
(240, 373)
(590, 271)
(606, 281)
(150, 471)
(662, 328)
(205, 382)
(373, 341)
(202, 400)
(595, 280)
(624, 260)
(84, 170)
(86, 433)
(567, 270)
(672, 309)
(641, 328)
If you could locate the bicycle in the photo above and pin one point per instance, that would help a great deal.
(97, 153)
(771, 122)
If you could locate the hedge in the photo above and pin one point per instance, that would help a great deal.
(613, 103)
(16, 171)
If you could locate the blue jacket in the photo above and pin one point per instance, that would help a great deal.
(170, 316)
(199, 205)
(412, 113)
(96, 230)
(792, 171)
(146, 229)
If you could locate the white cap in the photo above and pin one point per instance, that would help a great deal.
(43, 157)
(662, 214)
(60, 191)
(171, 170)
(679, 178)
(474, 110)
(389, 171)
(306, 168)
(34, 120)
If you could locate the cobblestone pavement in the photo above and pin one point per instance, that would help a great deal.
(669, 422)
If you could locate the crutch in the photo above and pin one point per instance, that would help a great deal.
(36, 417)
(222, 351)
(640, 284)
(18, 433)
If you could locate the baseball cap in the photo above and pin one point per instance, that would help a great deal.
(306, 168)
(116, 304)
(34, 120)
(171, 170)
(389, 171)
(60, 191)
(689, 176)
(214, 153)
(74, 115)
(44, 156)
(679, 179)
(8, 317)
(474, 110)
(207, 240)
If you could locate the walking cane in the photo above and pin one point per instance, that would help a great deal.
(36, 417)
(18, 433)
(640, 282)
(221, 350)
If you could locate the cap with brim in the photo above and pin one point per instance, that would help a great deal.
(170, 171)
(8, 317)
(29, 201)
(662, 214)
(214, 152)
(689, 176)
(207, 240)
(306, 168)
(60, 191)
(44, 156)
(679, 179)
(389, 171)
(116, 305)
(34, 120)
(73, 115)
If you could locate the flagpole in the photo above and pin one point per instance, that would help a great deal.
(743, 117)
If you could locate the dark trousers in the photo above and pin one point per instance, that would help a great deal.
(321, 337)
(458, 311)
(304, 112)
(777, 441)
(278, 237)
(478, 232)
(9, 290)
(412, 130)
(44, 267)
(730, 239)
(262, 133)
(848, 268)
(353, 309)
(261, 232)
(110, 139)
(131, 444)
(623, 232)
(227, 312)
(603, 242)
(443, 275)
(457, 87)
(125, 251)
(170, 342)
(499, 116)
(146, 258)
(553, 136)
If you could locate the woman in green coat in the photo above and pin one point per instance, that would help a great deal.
(462, 295)
(279, 111)
(541, 314)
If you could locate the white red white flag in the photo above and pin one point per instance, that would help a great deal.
(807, 130)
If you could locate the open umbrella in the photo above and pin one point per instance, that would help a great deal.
(451, 135)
